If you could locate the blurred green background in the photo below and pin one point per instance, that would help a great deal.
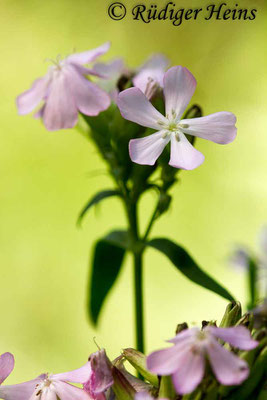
(47, 177)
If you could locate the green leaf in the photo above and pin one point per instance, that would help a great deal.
(118, 238)
(187, 266)
(97, 198)
(107, 262)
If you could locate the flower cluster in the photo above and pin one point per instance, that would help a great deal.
(185, 363)
(65, 91)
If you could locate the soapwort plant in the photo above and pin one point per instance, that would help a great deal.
(119, 110)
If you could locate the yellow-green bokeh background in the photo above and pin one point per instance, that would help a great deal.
(46, 178)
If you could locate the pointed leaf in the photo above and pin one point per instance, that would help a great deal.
(187, 266)
(107, 262)
(118, 238)
(95, 200)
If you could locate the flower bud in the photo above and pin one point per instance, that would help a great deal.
(138, 361)
(181, 327)
(122, 388)
(247, 320)
(232, 315)
(166, 389)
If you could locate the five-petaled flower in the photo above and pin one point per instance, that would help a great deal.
(65, 90)
(185, 361)
(179, 86)
(95, 376)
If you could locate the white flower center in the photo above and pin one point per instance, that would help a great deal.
(173, 126)
(43, 386)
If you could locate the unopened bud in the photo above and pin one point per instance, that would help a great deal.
(138, 361)
(181, 327)
(166, 388)
(247, 320)
(232, 315)
(122, 388)
(164, 202)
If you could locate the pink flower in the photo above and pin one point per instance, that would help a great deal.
(65, 91)
(179, 86)
(6, 366)
(100, 378)
(94, 376)
(186, 360)
(149, 77)
(111, 72)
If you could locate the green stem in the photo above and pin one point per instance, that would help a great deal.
(252, 284)
(138, 274)
(151, 222)
(139, 306)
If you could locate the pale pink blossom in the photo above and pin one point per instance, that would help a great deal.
(149, 77)
(179, 86)
(57, 386)
(110, 73)
(65, 90)
(6, 366)
(186, 360)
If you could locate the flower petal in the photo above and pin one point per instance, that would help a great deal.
(184, 335)
(183, 154)
(28, 100)
(80, 375)
(152, 70)
(21, 391)
(179, 86)
(147, 150)
(60, 111)
(48, 394)
(101, 378)
(219, 127)
(109, 70)
(237, 336)
(88, 97)
(190, 372)
(143, 396)
(6, 366)
(65, 391)
(86, 57)
(156, 61)
(135, 107)
(166, 362)
(228, 368)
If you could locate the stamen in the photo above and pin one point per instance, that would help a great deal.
(177, 137)
(185, 126)
(165, 134)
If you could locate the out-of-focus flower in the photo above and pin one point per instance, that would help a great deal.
(239, 258)
(65, 90)
(186, 360)
(111, 72)
(149, 77)
(260, 315)
(179, 86)
(6, 366)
